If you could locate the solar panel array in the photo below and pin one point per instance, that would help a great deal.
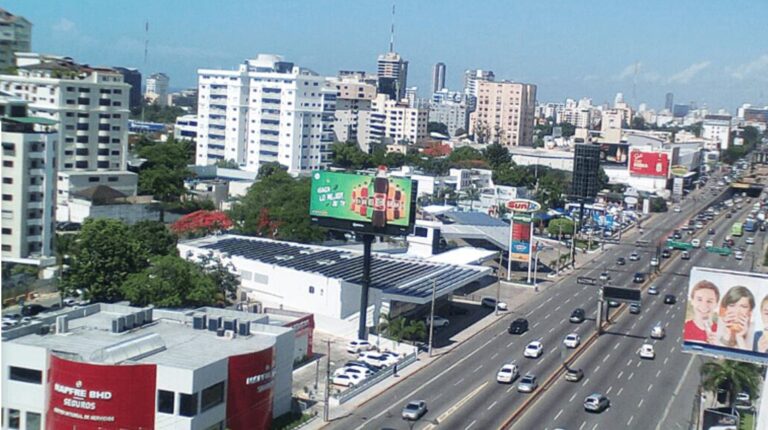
(391, 275)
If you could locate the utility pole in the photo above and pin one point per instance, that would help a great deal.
(599, 318)
(326, 409)
(559, 238)
(498, 283)
(432, 316)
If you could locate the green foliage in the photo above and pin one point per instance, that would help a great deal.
(171, 281)
(107, 253)
(156, 113)
(465, 153)
(560, 225)
(226, 282)
(496, 155)
(277, 206)
(482, 132)
(437, 127)
(638, 123)
(163, 174)
(268, 169)
(188, 206)
(733, 376)
(228, 164)
(658, 204)
(155, 238)
(348, 155)
(399, 329)
(290, 420)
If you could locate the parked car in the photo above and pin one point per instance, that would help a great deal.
(359, 371)
(362, 364)
(577, 316)
(596, 403)
(375, 359)
(490, 302)
(527, 384)
(507, 373)
(357, 346)
(669, 299)
(439, 321)
(572, 340)
(32, 310)
(533, 350)
(518, 326)
(346, 380)
(414, 410)
(574, 375)
(646, 351)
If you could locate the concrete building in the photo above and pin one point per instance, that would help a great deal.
(15, 36)
(90, 107)
(185, 127)
(717, 127)
(157, 89)
(669, 101)
(505, 111)
(104, 202)
(132, 77)
(455, 115)
(29, 181)
(140, 368)
(394, 122)
(472, 77)
(268, 110)
(354, 95)
(392, 75)
(438, 77)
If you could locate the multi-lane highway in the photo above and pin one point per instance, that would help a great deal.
(460, 387)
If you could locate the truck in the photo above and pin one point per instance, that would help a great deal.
(750, 225)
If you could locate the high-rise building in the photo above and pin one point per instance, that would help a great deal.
(90, 107)
(355, 92)
(618, 99)
(449, 108)
(504, 113)
(157, 89)
(15, 36)
(29, 180)
(268, 110)
(472, 77)
(438, 77)
(669, 101)
(393, 75)
(395, 122)
(718, 128)
(132, 77)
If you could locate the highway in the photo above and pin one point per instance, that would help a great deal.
(460, 388)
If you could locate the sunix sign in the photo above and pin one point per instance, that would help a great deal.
(523, 205)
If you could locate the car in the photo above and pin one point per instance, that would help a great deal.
(677, 209)
(69, 301)
(439, 321)
(572, 340)
(414, 410)
(634, 308)
(507, 373)
(709, 244)
(391, 355)
(657, 332)
(621, 261)
(375, 359)
(646, 351)
(346, 380)
(577, 316)
(527, 384)
(634, 256)
(738, 255)
(711, 231)
(32, 310)
(639, 278)
(358, 346)
(361, 364)
(665, 253)
(677, 235)
(533, 350)
(596, 403)
(670, 299)
(605, 276)
(696, 243)
(574, 375)
(613, 303)
(728, 215)
(699, 225)
(729, 242)
(518, 326)
(654, 262)
(743, 397)
(359, 371)
(653, 290)
(685, 255)
(490, 302)
(750, 240)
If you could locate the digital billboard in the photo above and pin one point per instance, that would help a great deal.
(649, 163)
(363, 203)
(614, 154)
(727, 315)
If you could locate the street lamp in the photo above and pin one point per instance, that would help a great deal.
(536, 267)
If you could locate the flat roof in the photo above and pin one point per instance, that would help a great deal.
(399, 278)
(168, 340)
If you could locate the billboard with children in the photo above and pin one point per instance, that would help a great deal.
(727, 315)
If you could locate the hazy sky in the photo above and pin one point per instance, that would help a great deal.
(711, 52)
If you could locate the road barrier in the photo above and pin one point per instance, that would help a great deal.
(377, 377)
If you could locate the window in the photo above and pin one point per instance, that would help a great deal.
(7, 248)
(187, 405)
(93, 179)
(22, 374)
(112, 179)
(14, 419)
(102, 164)
(311, 290)
(81, 151)
(33, 421)
(7, 198)
(212, 396)
(7, 231)
(7, 163)
(165, 402)
(81, 164)
(7, 180)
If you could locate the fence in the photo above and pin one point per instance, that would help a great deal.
(374, 379)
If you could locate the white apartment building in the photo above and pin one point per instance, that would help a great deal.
(157, 89)
(354, 95)
(505, 110)
(185, 127)
(90, 106)
(268, 110)
(718, 128)
(29, 179)
(15, 36)
(394, 122)
(472, 77)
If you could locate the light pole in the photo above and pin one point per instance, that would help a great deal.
(432, 316)
(536, 268)
(326, 409)
(498, 283)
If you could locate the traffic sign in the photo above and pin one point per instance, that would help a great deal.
(585, 280)
(717, 250)
(679, 245)
(621, 293)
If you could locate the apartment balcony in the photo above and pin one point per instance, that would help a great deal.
(36, 189)
(34, 222)
(37, 172)
(36, 205)
(35, 238)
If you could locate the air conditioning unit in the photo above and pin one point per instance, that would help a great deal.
(229, 334)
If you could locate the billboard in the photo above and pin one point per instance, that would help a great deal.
(520, 246)
(649, 163)
(727, 315)
(614, 154)
(363, 203)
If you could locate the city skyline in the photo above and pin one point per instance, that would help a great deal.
(643, 53)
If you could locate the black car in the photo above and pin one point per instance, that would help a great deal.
(639, 278)
(518, 326)
(669, 299)
(32, 310)
(621, 261)
(677, 235)
(577, 316)
(711, 231)
(728, 215)
(666, 253)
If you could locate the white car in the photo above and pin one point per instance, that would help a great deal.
(346, 380)
(634, 256)
(654, 261)
(534, 350)
(507, 373)
(750, 240)
(349, 370)
(657, 332)
(605, 276)
(738, 255)
(572, 340)
(439, 321)
(375, 359)
(709, 244)
(646, 351)
(357, 346)
(696, 243)
(677, 209)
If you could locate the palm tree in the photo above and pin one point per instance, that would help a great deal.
(733, 376)
(471, 195)
(394, 328)
(415, 330)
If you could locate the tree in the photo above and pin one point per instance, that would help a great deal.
(223, 277)
(560, 226)
(107, 253)
(496, 155)
(471, 195)
(156, 113)
(228, 164)
(154, 238)
(513, 175)
(482, 132)
(437, 127)
(165, 169)
(171, 282)
(267, 169)
(348, 155)
(415, 331)
(465, 153)
(602, 179)
(732, 376)
(499, 135)
(567, 128)
(202, 223)
(394, 328)
(638, 123)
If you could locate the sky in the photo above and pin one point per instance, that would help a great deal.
(713, 53)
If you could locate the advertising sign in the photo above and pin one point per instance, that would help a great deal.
(677, 187)
(649, 163)
(520, 246)
(523, 205)
(363, 203)
(679, 170)
(249, 390)
(727, 315)
(614, 154)
(720, 419)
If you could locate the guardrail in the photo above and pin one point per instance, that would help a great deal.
(374, 379)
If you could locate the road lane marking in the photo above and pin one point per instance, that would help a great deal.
(639, 362)
(470, 425)
(534, 326)
(492, 405)
(460, 403)
(609, 390)
(558, 414)
(510, 388)
(583, 423)
(585, 382)
(665, 360)
(629, 423)
(650, 387)
(477, 368)
(597, 368)
(658, 372)
(620, 390)
(620, 373)
(547, 317)
(552, 329)
(606, 358)
(495, 354)
(558, 308)
(594, 427)
(616, 346)
(510, 344)
(675, 393)
(641, 403)
(572, 397)
(630, 376)
(629, 362)
(458, 382)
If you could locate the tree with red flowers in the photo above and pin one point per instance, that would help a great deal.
(201, 223)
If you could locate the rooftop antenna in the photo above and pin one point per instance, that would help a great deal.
(392, 31)
(146, 54)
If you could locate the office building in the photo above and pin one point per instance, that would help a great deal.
(669, 101)
(504, 113)
(29, 180)
(123, 367)
(268, 110)
(438, 77)
(454, 114)
(392, 75)
(15, 36)
(132, 77)
(157, 89)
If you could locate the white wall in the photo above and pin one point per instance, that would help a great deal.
(23, 396)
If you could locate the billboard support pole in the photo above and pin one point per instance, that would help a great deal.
(509, 247)
(530, 248)
(599, 318)
(366, 284)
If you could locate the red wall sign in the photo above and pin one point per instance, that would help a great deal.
(649, 163)
(249, 390)
(91, 396)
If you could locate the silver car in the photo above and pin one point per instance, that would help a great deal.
(596, 403)
(527, 384)
(414, 410)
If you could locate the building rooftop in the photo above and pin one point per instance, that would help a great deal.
(166, 337)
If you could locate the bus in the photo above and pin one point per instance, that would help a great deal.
(750, 225)
(737, 230)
